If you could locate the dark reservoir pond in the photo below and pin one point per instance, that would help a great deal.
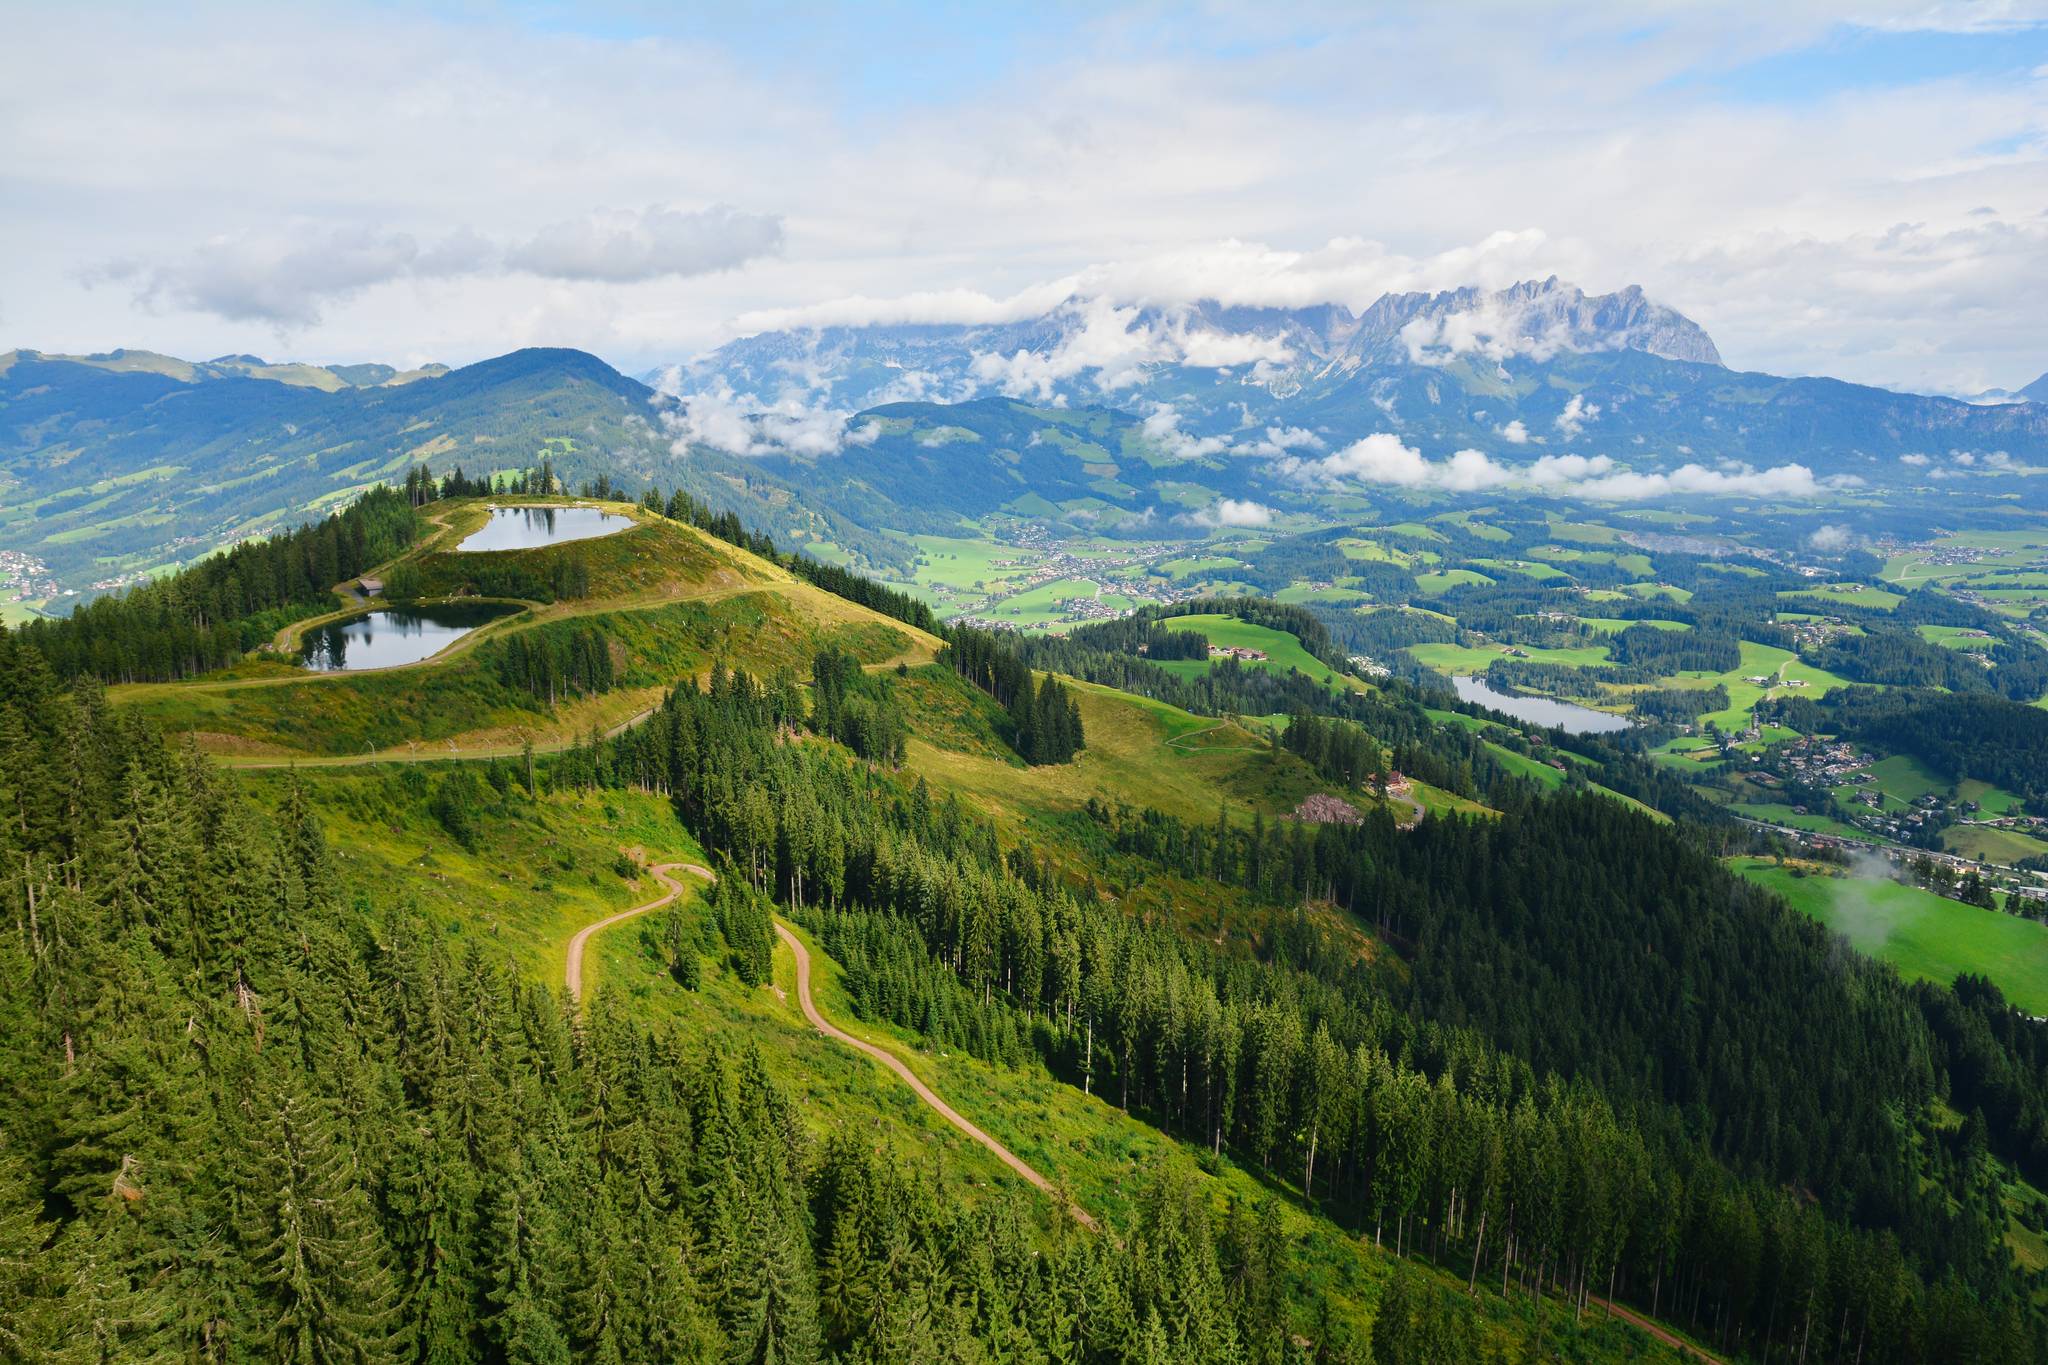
(1545, 711)
(526, 528)
(398, 635)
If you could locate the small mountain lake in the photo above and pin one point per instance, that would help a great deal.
(394, 636)
(1544, 711)
(526, 528)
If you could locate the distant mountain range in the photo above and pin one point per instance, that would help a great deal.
(2036, 392)
(1541, 367)
(1092, 417)
(326, 378)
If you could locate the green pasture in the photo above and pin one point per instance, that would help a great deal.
(1927, 937)
(1283, 651)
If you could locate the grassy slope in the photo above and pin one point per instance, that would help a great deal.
(1141, 751)
(1927, 937)
(672, 599)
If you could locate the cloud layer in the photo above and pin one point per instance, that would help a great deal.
(1383, 458)
(286, 278)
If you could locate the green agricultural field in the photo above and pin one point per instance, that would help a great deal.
(1990, 800)
(1685, 753)
(1990, 845)
(1378, 552)
(1927, 937)
(1435, 584)
(1584, 532)
(956, 563)
(1044, 604)
(1283, 651)
(1956, 637)
(1848, 594)
(1478, 528)
(1301, 592)
(1903, 779)
(1769, 661)
(1527, 568)
(1614, 625)
(1648, 590)
(1190, 566)
(2007, 578)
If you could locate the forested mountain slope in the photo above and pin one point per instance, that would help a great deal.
(1547, 1049)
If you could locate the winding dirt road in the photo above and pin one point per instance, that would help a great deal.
(574, 980)
(909, 1078)
(675, 888)
(1643, 1324)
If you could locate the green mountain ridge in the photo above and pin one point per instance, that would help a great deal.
(117, 465)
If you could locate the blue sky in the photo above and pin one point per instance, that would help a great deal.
(1859, 189)
(1851, 58)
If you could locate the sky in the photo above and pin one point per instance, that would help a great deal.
(1858, 190)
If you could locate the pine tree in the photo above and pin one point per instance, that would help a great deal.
(311, 1237)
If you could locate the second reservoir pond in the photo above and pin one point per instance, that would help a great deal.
(394, 636)
(527, 528)
(1545, 711)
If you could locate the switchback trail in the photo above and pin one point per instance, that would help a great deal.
(909, 1078)
(574, 973)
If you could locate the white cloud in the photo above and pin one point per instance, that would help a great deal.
(1162, 428)
(718, 418)
(1577, 413)
(1916, 460)
(1514, 433)
(1378, 458)
(1829, 539)
(1491, 331)
(287, 278)
(1779, 481)
(1120, 344)
(1551, 470)
(1278, 441)
(284, 279)
(1233, 512)
(1383, 458)
(624, 246)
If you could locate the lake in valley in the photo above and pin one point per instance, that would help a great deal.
(1544, 711)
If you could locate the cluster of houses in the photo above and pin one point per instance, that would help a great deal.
(1242, 653)
(24, 578)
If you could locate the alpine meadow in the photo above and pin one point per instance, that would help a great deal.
(845, 685)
